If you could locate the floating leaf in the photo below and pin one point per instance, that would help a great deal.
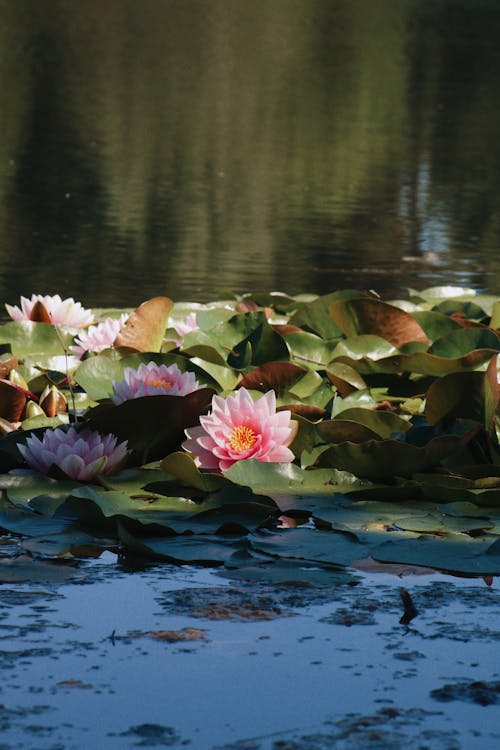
(331, 547)
(371, 316)
(182, 466)
(276, 376)
(145, 326)
(379, 459)
(339, 430)
(309, 350)
(35, 571)
(383, 423)
(345, 378)
(315, 315)
(436, 325)
(462, 342)
(26, 337)
(288, 479)
(458, 553)
(191, 550)
(261, 346)
(153, 425)
(466, 395)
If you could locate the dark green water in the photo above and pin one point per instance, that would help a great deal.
(196, 147)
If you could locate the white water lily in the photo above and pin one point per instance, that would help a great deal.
(64, 312)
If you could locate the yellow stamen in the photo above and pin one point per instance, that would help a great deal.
(242, 438)
(160, 384)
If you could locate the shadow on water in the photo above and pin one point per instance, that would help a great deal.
(332, 144)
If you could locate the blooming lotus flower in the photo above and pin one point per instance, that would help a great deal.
(153, 380)
(65, 312)
(80, 455)
(98, 337)
(182, 327)
(239, 428)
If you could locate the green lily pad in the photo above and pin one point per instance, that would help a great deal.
(363, 347)
(285, 479)
(184, 550)
(378, 459)
(26, 337)
(25, 568)
(345, 378)
(458, 553)
(330, 547)
(182, 466)
(309, 350)
(383, 423)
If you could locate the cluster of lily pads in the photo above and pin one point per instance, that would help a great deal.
(270, 434)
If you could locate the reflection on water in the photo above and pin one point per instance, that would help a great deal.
(195, 148)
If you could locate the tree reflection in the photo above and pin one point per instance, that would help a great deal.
(211, 146)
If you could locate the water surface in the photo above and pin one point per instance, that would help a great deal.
(198, 148)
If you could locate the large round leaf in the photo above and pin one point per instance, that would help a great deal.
(383, 459)
(372, 316)
(152, 425)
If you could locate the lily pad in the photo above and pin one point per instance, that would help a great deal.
(372, 316)
(153, 425)
(457, 553)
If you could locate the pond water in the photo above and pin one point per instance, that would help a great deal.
(198, 148)
(169, 657)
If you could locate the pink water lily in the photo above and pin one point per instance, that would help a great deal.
(99, 337)
(80, 455)
(183, 327)
(153, 380)
(64, 312)
(188, 324)
(239, 428)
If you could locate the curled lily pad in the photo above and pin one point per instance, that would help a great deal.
(372, 316)
(339, 430)
(314, 315)
(379, 459)
(466, 395)
(182, 466)
(144, 329)
(345, 378)
(276, 376)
